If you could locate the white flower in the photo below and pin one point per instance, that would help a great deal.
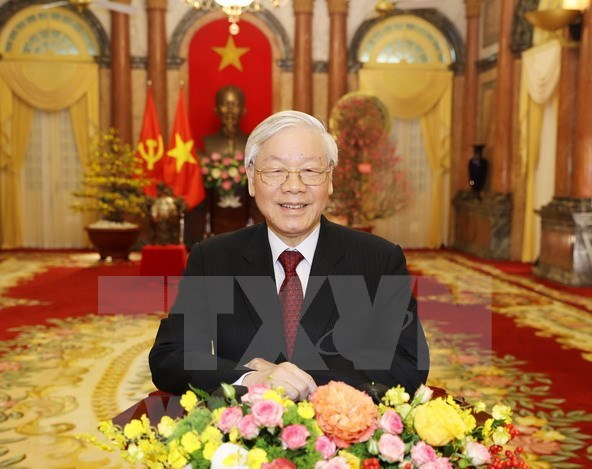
(228, 452)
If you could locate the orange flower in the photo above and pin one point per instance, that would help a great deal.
(345, 414)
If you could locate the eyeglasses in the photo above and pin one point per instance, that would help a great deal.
(308, 177)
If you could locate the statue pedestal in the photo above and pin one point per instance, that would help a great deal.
(482, 224)
(566, 242)
(223, 219)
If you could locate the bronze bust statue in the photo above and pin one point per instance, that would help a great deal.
(230, 108)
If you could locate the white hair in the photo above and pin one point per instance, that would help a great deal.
(284, 120)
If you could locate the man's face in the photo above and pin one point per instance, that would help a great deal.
(292, 210)
(230, 110)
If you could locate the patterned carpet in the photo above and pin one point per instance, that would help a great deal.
(62, 374)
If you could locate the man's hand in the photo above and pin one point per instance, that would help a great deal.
(297, 383)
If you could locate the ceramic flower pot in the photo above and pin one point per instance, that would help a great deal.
(114, 242)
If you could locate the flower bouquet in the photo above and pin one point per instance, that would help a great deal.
(338, 428)
(227, 174)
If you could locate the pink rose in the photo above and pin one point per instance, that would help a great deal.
(230, 418)
(255, 393)
(238, 178)
(205, 160)
(325, 446)
(239, 156)
(477, 453)
(424, 393)
(248, 428)
(267, 413)
(280, 463)
(226, 185)
(226, 161)
(391, 448)
(440, 463)
(224, 175)
(422, 453)
(335, 463)
(390, 422)
(294, 436)
(216, 156)
(204, 170)
(242, 170)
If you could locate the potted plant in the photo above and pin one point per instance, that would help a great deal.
(368, 184)
(112, 186)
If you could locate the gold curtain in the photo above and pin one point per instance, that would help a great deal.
(425, 93)
(540, 75)
(49, 86)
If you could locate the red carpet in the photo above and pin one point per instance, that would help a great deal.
(494, 334)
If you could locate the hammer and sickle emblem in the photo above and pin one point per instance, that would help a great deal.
(153, 152)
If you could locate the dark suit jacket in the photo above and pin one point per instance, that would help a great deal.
(186, 336)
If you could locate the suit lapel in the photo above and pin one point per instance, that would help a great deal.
(319, 305)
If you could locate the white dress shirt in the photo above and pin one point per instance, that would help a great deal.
(306, 248)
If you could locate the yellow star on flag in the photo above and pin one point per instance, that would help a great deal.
(182, 152)
(231, 54)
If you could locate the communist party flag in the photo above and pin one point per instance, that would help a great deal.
(181, 166)
(150, 148)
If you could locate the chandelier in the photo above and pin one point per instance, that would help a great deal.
(232, 8)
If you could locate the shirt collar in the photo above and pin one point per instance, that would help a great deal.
(306, 247)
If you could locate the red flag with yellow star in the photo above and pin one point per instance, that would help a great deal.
(181, 166)
(216, 59)
(150, 148)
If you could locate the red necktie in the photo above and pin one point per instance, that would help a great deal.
(291, 297)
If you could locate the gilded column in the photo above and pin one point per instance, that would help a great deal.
(502, 152)
(469, 116)
(157, 58)
(337, 83)
(582, 158)
(302, 91)
(121, 77)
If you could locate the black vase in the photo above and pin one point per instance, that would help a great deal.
(478, 167)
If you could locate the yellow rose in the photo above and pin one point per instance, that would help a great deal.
(190, 442)
(232, 172)
(189, 401)
(216, 173)
(256, 457)
(438, 423)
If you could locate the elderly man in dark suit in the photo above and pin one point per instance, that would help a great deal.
(297, 301)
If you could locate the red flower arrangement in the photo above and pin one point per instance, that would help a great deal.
(367, 183)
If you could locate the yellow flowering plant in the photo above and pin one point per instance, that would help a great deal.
(339, 427)
(113, 180)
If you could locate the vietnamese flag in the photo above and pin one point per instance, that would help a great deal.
(181, 166)
(216, 59)
(150, 148)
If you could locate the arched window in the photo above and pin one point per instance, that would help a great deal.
(49, 84)
(406, 61)
(405, 39)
